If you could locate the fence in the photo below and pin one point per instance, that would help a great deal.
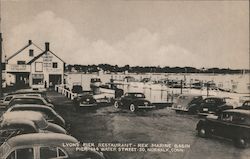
(65, 92)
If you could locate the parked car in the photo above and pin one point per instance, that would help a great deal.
(245, 105)
(233, 124)
(49, 114)
(133, 102)
(82, 94)
(6, 100)
(16, 127)
(187, 103)
(76, 89)
(29, 100)
(36, 117)
(45, 146)
(32, 93)
(86, 100)
(213, 105)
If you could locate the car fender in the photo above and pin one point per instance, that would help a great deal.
(201, 123)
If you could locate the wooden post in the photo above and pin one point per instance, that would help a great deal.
(181, 86)
(207, 89)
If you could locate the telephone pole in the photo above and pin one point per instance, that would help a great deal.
(1, 52)
(1, 67)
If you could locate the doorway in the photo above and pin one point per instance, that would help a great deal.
(54, 80)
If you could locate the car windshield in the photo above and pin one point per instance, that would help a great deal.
(137, 95)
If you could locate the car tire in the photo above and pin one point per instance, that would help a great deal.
(132, 108)
(202, 132)
(241, 142)
(116, 104)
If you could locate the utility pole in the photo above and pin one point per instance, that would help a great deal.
(1, 82)
(1, 66)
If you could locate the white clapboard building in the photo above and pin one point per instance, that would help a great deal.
(35, 67)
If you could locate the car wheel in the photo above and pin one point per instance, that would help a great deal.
(116, 104)
(241, 142)
(132, 108)
(202, 132)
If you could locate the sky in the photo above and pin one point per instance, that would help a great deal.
(135, 32)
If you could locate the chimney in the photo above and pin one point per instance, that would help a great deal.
(46, 46)
(30, 42)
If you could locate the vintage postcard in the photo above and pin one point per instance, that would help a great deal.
(124, 79)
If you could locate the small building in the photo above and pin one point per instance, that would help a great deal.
(34, 67)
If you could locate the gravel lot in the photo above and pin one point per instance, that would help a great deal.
(105, 124)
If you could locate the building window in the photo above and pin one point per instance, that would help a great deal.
(21, 62)
(54, 64)
(37, 79)
(39, 67)
(31, 53)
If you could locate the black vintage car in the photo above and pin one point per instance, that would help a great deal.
(187, 103)
(233, 124)
(133, 102)
(214, 105)
(85, 99)
(245, 105)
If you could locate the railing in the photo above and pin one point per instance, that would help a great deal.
(65, 92)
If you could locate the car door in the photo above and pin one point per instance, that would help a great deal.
(22, 153)
(125, 100)
(222, 126)
(52, 152)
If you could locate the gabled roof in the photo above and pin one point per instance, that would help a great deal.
(38, 56)
(26, 46)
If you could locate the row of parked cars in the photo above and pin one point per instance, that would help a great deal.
(132, 101)
(30, 128)
(221, 118)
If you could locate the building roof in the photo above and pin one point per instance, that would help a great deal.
(38, 56)
(35, 58)
(26, 46)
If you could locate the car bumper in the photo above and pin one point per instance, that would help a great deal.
(181, 109)
(105, 100)
(88, 105)
(146, 107)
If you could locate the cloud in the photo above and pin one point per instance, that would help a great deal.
(140, 47)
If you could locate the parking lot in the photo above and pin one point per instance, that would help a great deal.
(105, 124)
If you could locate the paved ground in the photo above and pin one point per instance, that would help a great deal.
(106, 124)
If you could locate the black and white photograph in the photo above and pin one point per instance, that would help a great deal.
(124, 79)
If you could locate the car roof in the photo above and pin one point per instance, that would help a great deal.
(30, 115)
(31, 106)
(18, 121)
(27, 92)
(239, 111)
(26, 97)
(40, 138)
